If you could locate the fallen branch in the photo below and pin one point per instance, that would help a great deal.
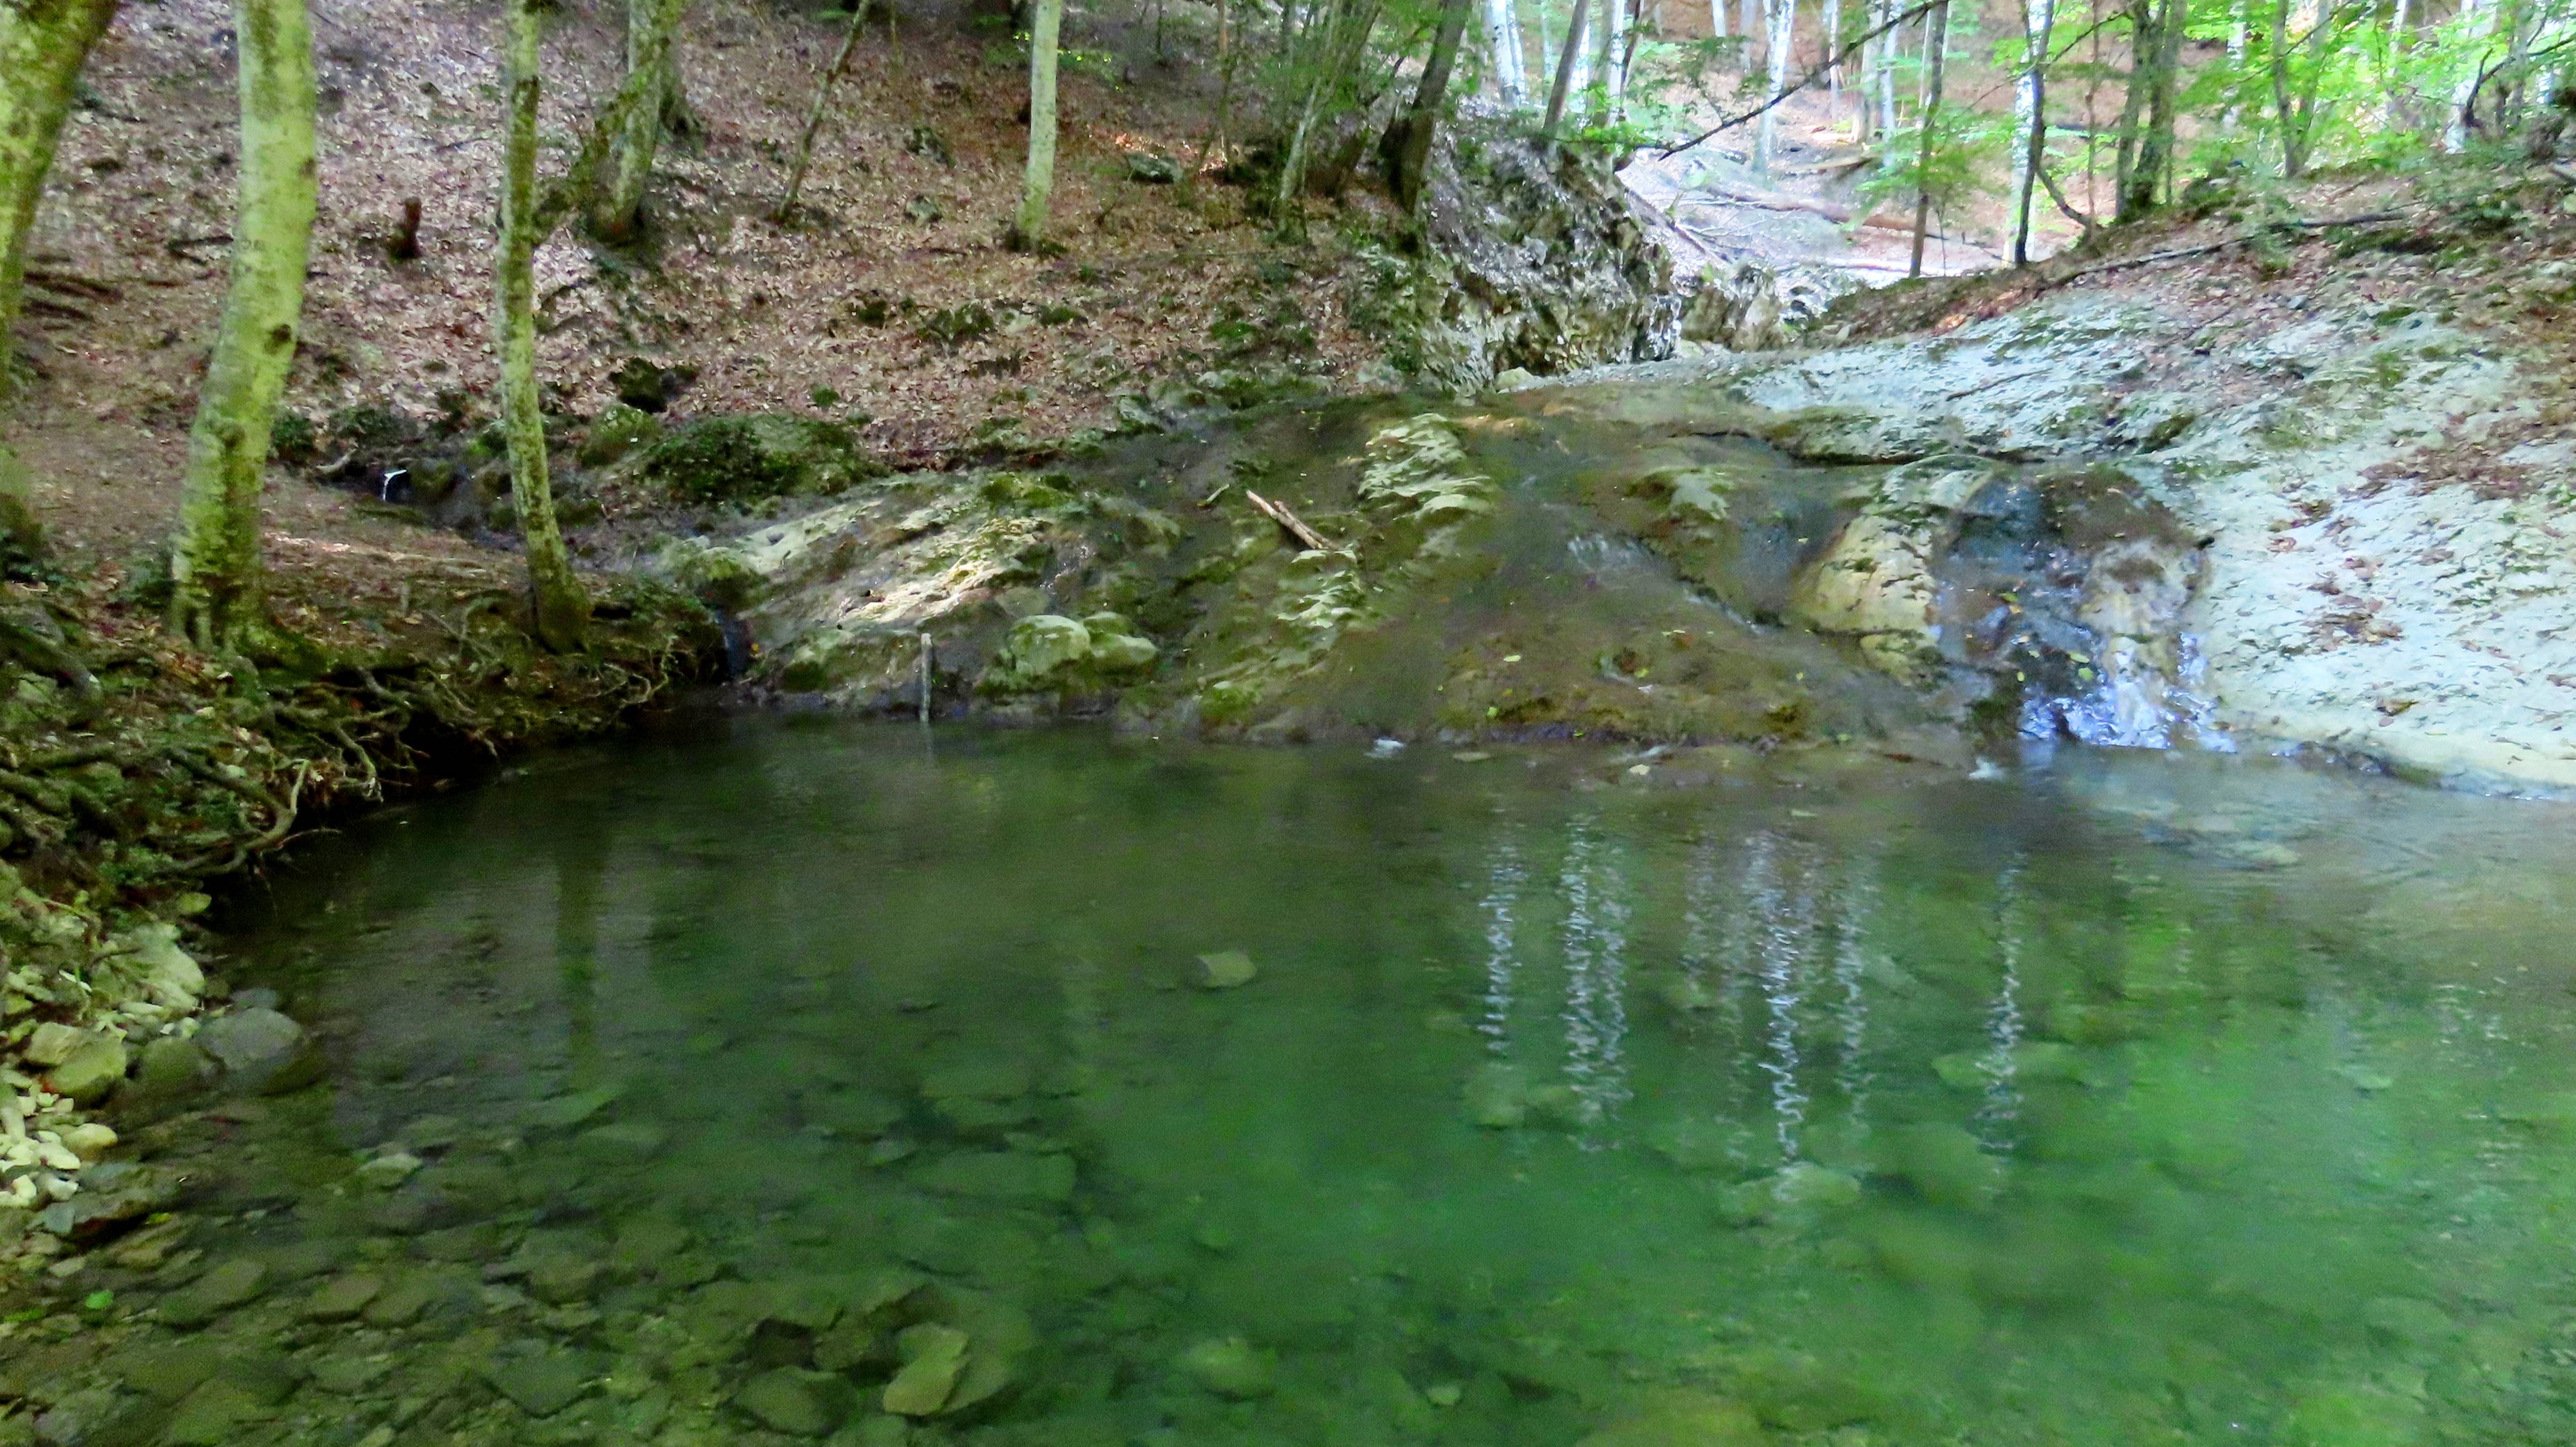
(2178, 253)
(1288, 521)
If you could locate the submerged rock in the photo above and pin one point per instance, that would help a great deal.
(1225, 970)
(231, 1284)
(1682, 1419)
(1002, 1176)
(262, 1052)
(1800, 1189)
(797, 1402)
(539, 1376)
(934, 1358)
(1232, 1368)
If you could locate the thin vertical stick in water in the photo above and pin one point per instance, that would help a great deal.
(925, 679)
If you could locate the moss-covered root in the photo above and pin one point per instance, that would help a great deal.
(214, 568)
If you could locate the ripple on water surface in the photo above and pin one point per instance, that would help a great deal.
(800, 1082)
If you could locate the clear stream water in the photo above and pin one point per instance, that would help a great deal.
(2148, 1099)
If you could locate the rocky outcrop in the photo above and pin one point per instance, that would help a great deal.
(2381, 570)
(1525, 261)
(2020, 529)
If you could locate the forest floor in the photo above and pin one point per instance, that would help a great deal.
(2487, 247)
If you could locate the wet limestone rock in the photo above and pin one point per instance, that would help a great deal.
(1231, 1367)
(90, 1071)
(169, 975)
(934, 1357)
(797, 1402)
(52, 1043)
(262, 1052)
(1682, 1419)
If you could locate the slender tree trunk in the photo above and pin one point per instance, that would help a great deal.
(617, 213)
(2158, 153)
(1749, 18)
(1406, 147)
(1583, 57)
(1565, 63)
(2400, 36)
(1717, 19)
(214, 564)
(2131, 132)
(559, 602)
(2293, 159)
(43, 44)
(1028, 230)
(2030, 107)
(1939, 48)
(2147, 113)
(1225, 60)
(1546, 42)
(2455, 131)
(1833, 43)
(1511, 69)
(1336, 55)
(814, 113)
(2239, 32)
(1607, 43)
(1783, 47)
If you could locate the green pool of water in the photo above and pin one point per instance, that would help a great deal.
(2130, 1099)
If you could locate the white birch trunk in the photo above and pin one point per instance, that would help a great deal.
(1511, 71)
(1782, 46)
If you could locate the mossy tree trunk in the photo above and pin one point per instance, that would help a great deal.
(43, 44)
(618, 213)
(1406, 148)
(1028, 229)
(1937, 44)
(214, 565)
(561, 606)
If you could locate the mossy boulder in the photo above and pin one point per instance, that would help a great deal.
(720, 460)
(1048, 652)
(617, 432)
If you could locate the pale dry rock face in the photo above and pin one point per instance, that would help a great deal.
(2346, 598)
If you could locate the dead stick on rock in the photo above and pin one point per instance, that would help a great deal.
(2178, 253)
(1278, 513)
